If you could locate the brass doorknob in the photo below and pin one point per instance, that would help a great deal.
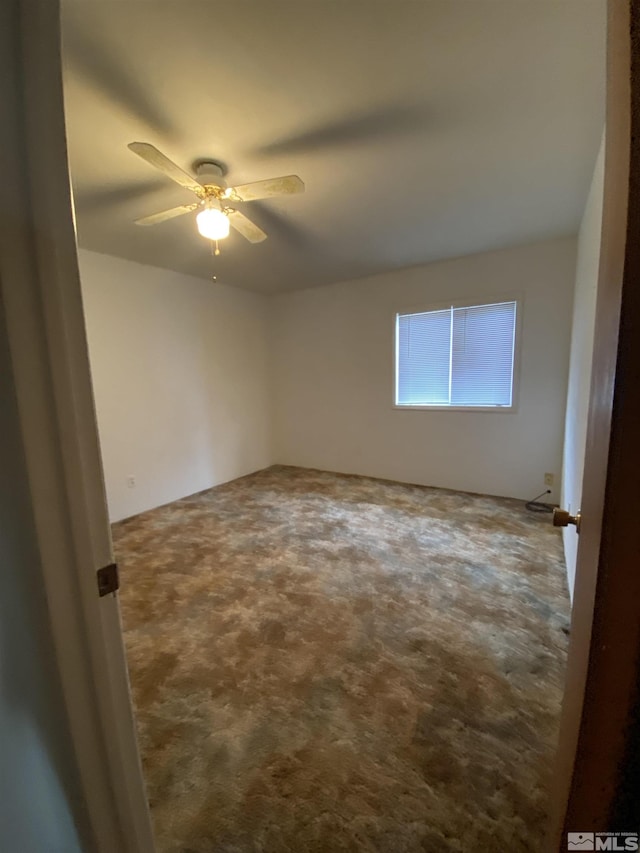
(562, 518)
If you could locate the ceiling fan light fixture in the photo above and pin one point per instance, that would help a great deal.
(213, 224)
(212, 192)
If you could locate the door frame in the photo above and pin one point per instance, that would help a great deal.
(41, 289)
(45, 326)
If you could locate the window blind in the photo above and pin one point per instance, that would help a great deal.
(456, 356)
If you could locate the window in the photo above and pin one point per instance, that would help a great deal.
(456, 357)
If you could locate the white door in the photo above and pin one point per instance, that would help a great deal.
(45, 326)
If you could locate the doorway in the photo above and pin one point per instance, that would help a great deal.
(623, 558)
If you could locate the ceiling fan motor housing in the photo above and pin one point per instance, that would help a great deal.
(210, 174)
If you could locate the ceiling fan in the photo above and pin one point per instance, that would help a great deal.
(214, 196)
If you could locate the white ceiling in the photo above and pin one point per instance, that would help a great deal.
(422, 129)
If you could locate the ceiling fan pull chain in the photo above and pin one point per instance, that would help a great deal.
(215, 251)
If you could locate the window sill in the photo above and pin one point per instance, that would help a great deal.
(496, 409)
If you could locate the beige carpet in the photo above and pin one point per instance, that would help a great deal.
(328, 663)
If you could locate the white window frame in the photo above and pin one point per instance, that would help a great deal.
(463, 303)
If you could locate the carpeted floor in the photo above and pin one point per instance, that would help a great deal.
(328, 663)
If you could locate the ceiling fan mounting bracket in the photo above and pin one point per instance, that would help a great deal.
(210, 173)
(214, 165)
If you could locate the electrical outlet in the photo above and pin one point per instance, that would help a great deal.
(131, 481)
(548, 479)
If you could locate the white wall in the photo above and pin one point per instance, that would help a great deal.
(180, 374)
(584, 310)
(333, 372)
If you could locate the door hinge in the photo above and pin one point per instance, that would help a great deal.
(108, 580)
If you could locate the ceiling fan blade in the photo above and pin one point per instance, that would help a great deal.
(167, 214)
(246, 227)
(286, 185)
(282, 227)
(156, 158)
